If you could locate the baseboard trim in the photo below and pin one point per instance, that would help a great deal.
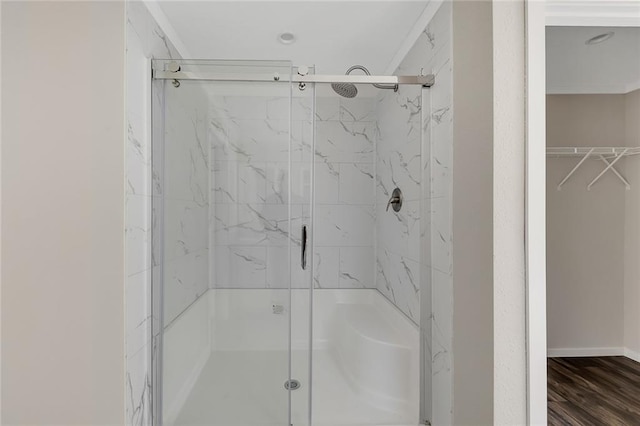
(632, 354)
(584, 352)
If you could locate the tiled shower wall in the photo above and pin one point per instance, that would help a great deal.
(413, 252)
(185, 196)
(431, 53)
(186, 259)
(144, 40)
(249, 146)
(249, 188)
(344, 200)
(437, 43)
(399, 166)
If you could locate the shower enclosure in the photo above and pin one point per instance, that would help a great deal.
(290, 234)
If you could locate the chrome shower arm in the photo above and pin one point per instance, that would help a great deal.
(377, 85)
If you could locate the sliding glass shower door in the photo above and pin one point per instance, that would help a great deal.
(255, 321)
(232, 283)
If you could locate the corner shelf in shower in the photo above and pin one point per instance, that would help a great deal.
(607, 154)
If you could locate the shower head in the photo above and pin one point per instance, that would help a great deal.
(346, 90)
(349, 90)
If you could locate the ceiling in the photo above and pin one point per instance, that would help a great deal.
(609, 67)
(332, 35)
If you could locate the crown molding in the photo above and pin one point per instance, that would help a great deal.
(588, 90)
(620, 89)
(632, 87)
(593, 13)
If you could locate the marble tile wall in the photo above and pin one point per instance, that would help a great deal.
(186, 255)
(345, 193)
(250, 179)
(433, 53)
(438, 39)
(398, 165)
(414, 152)
(185, 196)
(250, 176)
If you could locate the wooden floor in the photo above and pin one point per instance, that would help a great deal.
(593, 391)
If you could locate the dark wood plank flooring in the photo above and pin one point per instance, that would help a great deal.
(593, 391)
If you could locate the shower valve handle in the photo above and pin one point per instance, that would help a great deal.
(395, 200)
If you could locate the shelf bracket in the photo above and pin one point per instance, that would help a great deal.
(613, 169)
(609, 166)
(566, 178)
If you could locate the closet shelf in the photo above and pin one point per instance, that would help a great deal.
(607, 154)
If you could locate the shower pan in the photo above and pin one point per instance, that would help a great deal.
(285, 290)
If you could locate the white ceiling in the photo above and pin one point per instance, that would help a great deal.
(609, 67)
(333, 35)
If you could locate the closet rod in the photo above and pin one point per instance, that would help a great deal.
(609, 155)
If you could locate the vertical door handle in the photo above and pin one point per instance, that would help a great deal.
(303, 253)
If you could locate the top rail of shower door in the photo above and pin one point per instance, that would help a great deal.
(422, 80)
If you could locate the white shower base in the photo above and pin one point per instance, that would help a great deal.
(227, 393)
(365, 361)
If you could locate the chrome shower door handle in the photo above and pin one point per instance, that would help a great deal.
(303, 248)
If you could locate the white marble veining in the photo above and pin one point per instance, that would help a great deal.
(137, 234)
(344, 218)
(326, 267)
(344, 225)
(278, 258)
(256, 168)
(250, 140)
(356, 183)
(327, 182)
(186, 165)
(441, 348)
(138, 388)
(357, 109)
(141, 43)
(138, 314)
(186, 199)
(251, 184)
(244, 267)
(185, 279)
(351, 142)
(398, 165)
(184, 223)
(437, 40)
(414, 246)
(328, 108)
(398, 281)
(356, 267)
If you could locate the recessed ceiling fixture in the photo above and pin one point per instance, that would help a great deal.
(286, 38)
(600, 38)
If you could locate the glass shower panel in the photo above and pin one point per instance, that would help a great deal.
(261, 318)
(367, 256)
(231, 203)
(302, 107)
